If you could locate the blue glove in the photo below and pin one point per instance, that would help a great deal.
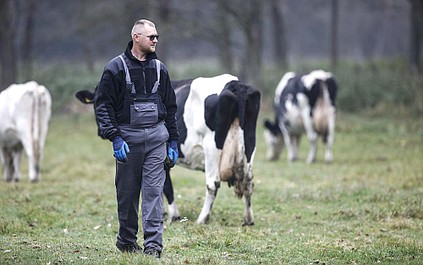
(172, 152)
(120, 148)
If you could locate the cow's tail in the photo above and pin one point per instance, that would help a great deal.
(321, 112)
(324, 93)
(40, 114)
(36, 129)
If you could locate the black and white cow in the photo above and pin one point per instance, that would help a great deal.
(217, 120)
(302, 104)
(25, 111)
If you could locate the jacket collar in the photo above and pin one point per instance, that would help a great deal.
(129, 55)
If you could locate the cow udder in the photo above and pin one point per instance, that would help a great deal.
(232, 157)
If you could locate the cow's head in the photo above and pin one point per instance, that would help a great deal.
(273, 139)
(87, 97)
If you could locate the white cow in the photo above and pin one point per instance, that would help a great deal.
(303, 104)
(25, 111)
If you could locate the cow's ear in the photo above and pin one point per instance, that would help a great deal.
(210, 110)
(85, 96)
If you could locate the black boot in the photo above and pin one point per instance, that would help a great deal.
(135, 248)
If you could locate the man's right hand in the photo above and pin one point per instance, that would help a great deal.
(120, 149)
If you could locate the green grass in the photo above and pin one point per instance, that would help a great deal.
(364, 208)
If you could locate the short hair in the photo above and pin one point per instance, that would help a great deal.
(141, 23)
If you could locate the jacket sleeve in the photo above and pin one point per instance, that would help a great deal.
(169, 99)
(106, 103)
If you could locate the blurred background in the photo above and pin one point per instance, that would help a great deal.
(372, 46)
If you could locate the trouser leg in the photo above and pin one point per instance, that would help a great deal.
(128, 185)
(152, 202)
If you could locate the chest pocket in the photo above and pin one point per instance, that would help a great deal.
(147, 109)
(144, 114)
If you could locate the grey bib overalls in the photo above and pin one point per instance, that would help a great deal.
(144, 172)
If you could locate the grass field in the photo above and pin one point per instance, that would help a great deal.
(364, 208)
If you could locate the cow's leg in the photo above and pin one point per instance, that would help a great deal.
(33, 152)
(248, 191)
(311, 134)
(211, 191)
(16, 157)
(295, 143)
(7, 164)
(211, 164)
(34, 169)
(330, 136)
(313, 150)
(288, 143)
(173, 211)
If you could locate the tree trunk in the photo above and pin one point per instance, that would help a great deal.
(334, 35)
(225, 53)
(416, 18)
(248, 16)
(251, 67)
(27, 60)
(164, 28)
(279, 34)
(7, 44)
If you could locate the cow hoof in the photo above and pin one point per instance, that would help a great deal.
(248, 223)
(174, 219)
(35, 180)
(203, 221)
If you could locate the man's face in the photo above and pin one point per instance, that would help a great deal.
(147, 39)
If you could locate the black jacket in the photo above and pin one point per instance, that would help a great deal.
(112, 97)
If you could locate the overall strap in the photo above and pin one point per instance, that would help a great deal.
(157, 84)
(127, 75)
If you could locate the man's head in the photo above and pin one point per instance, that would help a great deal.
(144, 35)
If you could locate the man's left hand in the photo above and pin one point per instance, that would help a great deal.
(172, 153)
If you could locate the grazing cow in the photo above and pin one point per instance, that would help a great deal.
(303, 103)
(217, 120)
(25, 111)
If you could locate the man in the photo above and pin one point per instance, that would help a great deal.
(135, 106)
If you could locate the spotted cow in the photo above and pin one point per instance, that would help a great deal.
(302, 104)
(25, 111)
(217, 120)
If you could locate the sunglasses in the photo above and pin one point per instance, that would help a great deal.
(151, 37)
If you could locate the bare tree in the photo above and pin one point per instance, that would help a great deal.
(164, 13)
(279, 33)
(334, 35)
(108, 23)
(26, 49)
(7, 44)
(416, 34)
(247, 15)
(226, 56)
